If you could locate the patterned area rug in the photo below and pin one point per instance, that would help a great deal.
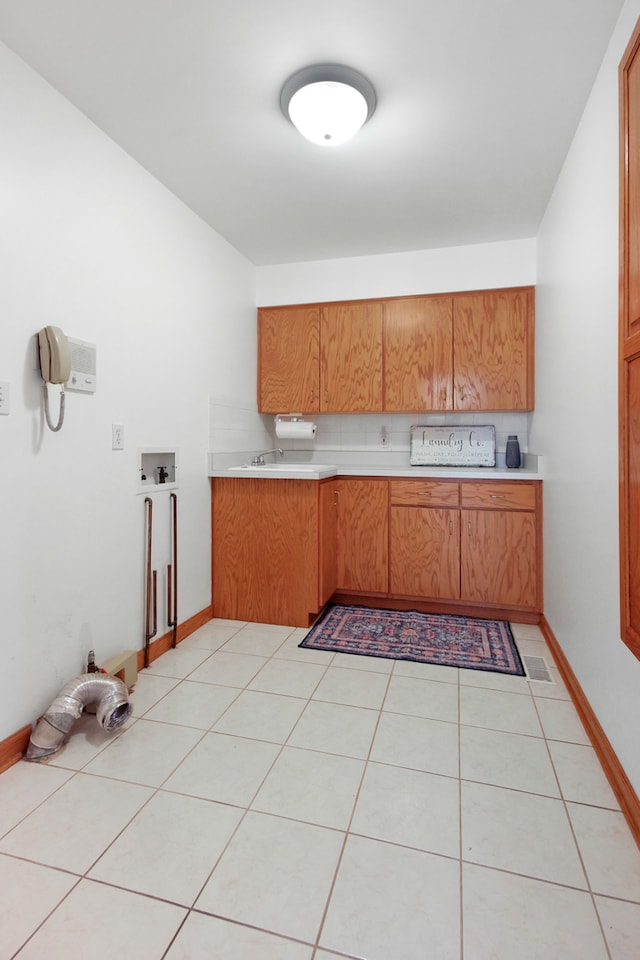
(424, 637)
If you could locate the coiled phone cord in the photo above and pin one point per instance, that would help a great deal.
(46, 408)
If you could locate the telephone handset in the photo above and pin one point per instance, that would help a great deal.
(55, 366)
(55, 359)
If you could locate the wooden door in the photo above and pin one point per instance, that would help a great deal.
(351, 357)
(363, 535)
(425, 552)
(418, 354)
(328, 543)
(493, 350)
(498, 553)
(629, 344)
(289, 359)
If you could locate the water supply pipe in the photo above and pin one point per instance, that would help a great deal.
(172, 573)
(113, 709)
(151, 586)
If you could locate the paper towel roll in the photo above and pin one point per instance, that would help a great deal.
(295, 430)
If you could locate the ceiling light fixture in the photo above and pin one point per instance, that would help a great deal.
(328, 103)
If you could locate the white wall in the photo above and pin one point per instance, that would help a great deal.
(92, 243)
(481, 266)
(575, 422)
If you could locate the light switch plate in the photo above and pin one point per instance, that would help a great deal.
(5, 398)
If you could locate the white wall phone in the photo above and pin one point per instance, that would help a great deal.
(55, 366)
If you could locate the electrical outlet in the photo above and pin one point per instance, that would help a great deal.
(117, 436)
(5, 398)
(383, 442)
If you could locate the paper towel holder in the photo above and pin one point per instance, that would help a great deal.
(289, 418)
(293, 426)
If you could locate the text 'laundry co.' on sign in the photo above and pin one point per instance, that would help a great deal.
(460, 446)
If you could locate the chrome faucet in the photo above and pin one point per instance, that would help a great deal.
(258, 459)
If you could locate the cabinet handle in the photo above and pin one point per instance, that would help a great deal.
(451, 527)
(469, 526)
(423, 493)
(498, 496)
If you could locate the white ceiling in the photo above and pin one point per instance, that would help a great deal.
(478, 101)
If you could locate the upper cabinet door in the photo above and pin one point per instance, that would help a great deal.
(418, 354)
(493, 350)
(289, 359)
(351, 357)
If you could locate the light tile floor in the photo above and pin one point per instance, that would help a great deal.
(272, 803)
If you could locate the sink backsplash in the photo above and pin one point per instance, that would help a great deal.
(237, 428)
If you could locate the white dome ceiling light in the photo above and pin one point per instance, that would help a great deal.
(328, 103)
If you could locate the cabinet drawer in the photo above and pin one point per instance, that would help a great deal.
(424, 493)
(501, 495)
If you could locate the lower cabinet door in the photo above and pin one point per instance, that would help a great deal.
(265, 550)
(363, 535)
(425, 552)
(499, 557)
(328, 543)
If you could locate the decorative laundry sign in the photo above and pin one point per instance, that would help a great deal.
(458, 446)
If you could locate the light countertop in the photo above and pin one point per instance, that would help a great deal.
(291, 468)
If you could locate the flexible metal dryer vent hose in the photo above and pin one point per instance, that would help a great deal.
(112, 711)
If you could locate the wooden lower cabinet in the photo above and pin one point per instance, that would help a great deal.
(499, 558)
(284, 548)
(500, 543)
(484, 552)
(424, 542)
(425, 552)
(266, 562)
(328, 533)
(363, 537)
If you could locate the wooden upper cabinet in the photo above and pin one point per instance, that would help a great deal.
(467, 351)
(493, 350)
(351, 357)
(288, 359)
(418, 354)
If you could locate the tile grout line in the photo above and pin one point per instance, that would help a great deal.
(347, 832)
(460, 847)
(48, 916)
(573, 833)
(247, 808)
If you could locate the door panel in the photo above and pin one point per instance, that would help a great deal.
(493, 350)
(363, 535)
(418, 354)
(499, 557)
(425, 552)
(351, 357)
(289, 359)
